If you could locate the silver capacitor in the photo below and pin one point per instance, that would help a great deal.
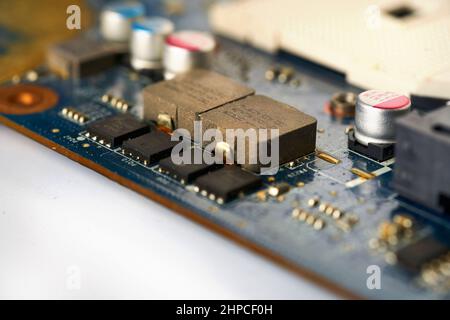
(375, 115)
(186, 50)
(116, 19)
(147, 42)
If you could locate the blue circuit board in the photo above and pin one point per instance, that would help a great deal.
(338, 254)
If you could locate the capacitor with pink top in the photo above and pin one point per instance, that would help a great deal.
(376, 112)
(186, 50)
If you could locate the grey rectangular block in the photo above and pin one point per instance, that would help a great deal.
(422, 153)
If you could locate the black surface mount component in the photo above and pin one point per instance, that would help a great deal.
(113, 131)
(414, 255)
(150, 147)
(83, 56)
(423, 157)
(227, 183)
(377, 151)
(186, 172)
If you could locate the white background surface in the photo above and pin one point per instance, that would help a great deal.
(68, 232)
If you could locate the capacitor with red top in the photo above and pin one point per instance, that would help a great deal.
(186, 50)
(376, 112)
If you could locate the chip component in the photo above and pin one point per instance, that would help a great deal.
(150, 147)
(189, 95)
(414, 255)
(81, 57)
(297, 131)
(279, 189)
(186, 172)
(74, 115)
(227, 183)
(113, 131)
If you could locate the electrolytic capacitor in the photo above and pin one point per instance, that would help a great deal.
(376, 112)
(147, 42)
(187, 50)
(116, 19)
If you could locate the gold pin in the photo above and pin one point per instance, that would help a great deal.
(363, 174)
(328, 158)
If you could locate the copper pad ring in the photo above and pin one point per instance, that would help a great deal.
(24, 99)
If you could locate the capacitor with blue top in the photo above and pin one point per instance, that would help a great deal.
(147, 42)
(116, 19)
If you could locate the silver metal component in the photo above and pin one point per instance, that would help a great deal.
(116, 19)
(187, 50)
(376, 112)
(147, 42)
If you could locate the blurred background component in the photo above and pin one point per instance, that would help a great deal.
(28, 27)
(399, 45)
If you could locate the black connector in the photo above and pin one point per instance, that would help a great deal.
(377, 151)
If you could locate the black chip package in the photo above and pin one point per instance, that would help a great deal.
(227, 183)
(150, 147)
(414, 255)
(113, 131)
(186, 172)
